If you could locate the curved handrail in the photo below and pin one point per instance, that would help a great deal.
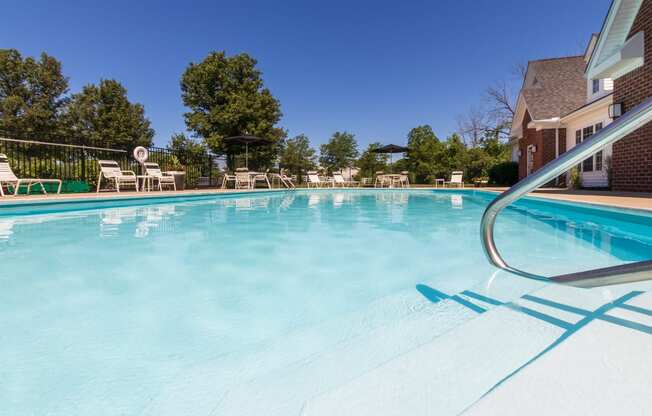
(632, 272)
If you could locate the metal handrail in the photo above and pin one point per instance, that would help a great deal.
(627, 273)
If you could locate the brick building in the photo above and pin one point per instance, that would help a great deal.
(617, 74)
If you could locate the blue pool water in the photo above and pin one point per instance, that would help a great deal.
(110, 311)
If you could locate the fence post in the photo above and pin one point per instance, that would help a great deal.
(83, 165)
(210, 170)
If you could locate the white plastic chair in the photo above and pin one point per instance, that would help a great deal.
(8, 178)
(457, 179)
(153, 171)
(110, 170)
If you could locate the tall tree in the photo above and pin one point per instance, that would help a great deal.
(339, 153)
(102, 115)
(32, 96)
(226, 97)
(297, 156)
(426, 157)
(371, 162)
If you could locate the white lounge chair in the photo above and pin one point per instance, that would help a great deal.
(260, 177)
(9, 179)
(315, 181)
(338, 180)
(110, 170)
(457, 179)
(153, 173)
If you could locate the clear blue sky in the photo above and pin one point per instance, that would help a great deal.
(374, 68)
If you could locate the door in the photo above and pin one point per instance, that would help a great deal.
(530, 159)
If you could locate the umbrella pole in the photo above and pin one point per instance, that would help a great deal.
(247, 155)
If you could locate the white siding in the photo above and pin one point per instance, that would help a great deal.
(595, 179)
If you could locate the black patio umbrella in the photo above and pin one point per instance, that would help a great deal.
(247, 141)
(391, 149)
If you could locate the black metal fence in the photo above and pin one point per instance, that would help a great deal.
(34, 159)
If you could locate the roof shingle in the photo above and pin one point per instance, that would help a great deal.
(560, 87)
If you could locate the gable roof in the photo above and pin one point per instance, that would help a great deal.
(554, 87)
(613, 37)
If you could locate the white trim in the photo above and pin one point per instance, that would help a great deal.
(621, 15)
(517, 121)
(627, 59)
(604, 101)
(549, 123)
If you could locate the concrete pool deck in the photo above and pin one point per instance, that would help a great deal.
(629, 200)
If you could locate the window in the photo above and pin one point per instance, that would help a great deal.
(598, 161)
(596, 86)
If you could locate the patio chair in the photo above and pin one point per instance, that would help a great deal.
(457, 179)
(110, 170)
(260, 177)
(315, 181)
(9, 179)
(404, 179)
(153, 172)
(242, 179)
(339, 180)
(381, 180)
(228, 178)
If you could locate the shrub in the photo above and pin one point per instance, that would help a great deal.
(504, 174)
(575, 178)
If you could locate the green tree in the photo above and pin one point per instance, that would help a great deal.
(32, 96)
(186, 149)
(371, 162)
(426, 156)
(226, 97)
(297, 156)
(102, 115)
(456, 153)
(340, 152)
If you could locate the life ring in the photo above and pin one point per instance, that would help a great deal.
(141, 154)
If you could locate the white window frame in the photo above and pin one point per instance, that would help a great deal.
(579, 138)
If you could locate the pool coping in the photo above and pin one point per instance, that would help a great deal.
(569, 199)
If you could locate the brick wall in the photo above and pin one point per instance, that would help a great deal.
(632, 156)
(544, 140)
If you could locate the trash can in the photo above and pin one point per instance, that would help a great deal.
(179, 179)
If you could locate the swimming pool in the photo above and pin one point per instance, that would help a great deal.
(247, 303)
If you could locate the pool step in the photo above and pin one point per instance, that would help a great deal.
(285, 372)
(196, 390)
(285, 390)
(450, 374)
(606, 370)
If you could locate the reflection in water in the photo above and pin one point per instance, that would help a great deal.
(287, 201)
(113, 221)
(457, 202)
(313, 200)
(6, 229)
(338, 200)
